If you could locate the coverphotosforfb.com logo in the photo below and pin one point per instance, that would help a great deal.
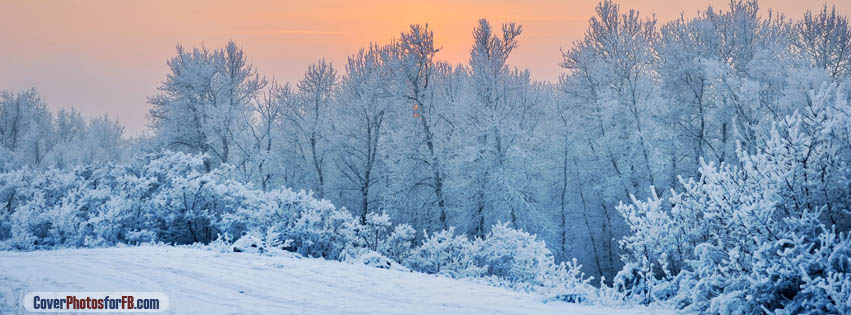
(96, 302)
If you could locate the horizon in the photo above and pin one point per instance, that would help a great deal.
(102, 58)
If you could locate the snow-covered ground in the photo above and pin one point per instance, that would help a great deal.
(199, 281)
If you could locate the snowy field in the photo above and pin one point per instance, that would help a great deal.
(198, 281)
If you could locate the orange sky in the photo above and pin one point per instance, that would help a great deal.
(104, 56)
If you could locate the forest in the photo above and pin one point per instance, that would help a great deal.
(702, 163)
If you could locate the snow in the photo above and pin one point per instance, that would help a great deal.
(200, 281)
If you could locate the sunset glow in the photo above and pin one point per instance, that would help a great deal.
(109, 56)
(489, 156)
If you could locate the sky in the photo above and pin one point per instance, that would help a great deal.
(108, 57)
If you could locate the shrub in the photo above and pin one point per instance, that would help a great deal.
(166, 197)
(399, 244)
(759, 236)
(514, 255)
(445, 253)
(505, 257)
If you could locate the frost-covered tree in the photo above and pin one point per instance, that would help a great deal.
(425, 127)
(80, 142)
(750, 69)
(611, 92)
(826, 39)
(503, 111)
(613, 63)
(685, 49)
(205, 102)
(32, 136)
(268, 150)
(26, 127)
(307, 118)
(488, 70)
(363, 108)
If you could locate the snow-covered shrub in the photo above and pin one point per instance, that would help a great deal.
(635, 283)
(566, 282)
(165, 197)
(322, 231)
(173, 199)
(140, 237)
(8, 201)
(374, 231)
(309, 226)
(398, 245)
(188, 202)
(514, 255)
(758, 236)
(375, 235)
(506, 257)
(21, 239)
(33, 199)
(445, 253)
(834, 282)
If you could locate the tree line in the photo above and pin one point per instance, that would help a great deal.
(434, 145)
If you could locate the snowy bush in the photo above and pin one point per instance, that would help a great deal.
(42, 208)
(835, 279)
(166, 197)
(445, 253)
(759, 236)
(173, 199)
(514, 255)
(506, 257)
(399, 244)
(309, 226)
(373, 231)
(635, 283)
(567, 283)
(323, 231)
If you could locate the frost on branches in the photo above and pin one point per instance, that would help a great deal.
(170, 198)
(766, 234)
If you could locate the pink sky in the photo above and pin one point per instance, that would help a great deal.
(103, 56)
